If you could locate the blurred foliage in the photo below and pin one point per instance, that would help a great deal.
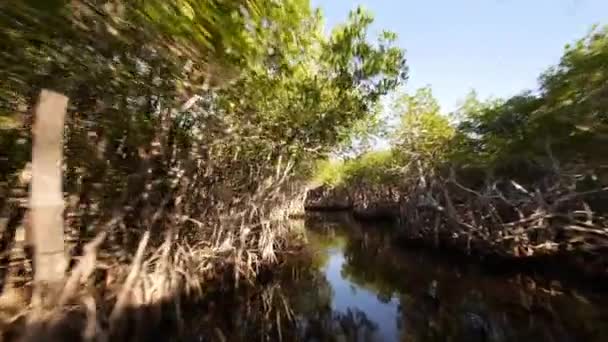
(244, 86)
(374, 167)
(328, 171)
(565, 122)
(424, 133)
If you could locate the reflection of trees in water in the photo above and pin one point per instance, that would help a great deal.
(310, 296)
(365, 265)
(439, 301)
(275, 310)
(351, 326)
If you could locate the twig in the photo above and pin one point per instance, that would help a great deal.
(83, 270)
(121, 302)
(577, 228)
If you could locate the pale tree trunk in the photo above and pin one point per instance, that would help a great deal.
(46, 199)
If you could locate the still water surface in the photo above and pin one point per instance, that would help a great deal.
(355, 284)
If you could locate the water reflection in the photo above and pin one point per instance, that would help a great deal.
(383, 293)
(380, 311)
(355, 285)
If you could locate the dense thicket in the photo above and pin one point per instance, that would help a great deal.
(190, 119)
(218, 95)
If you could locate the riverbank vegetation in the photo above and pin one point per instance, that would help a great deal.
(519, 177)
(190, 130)
(193, 128)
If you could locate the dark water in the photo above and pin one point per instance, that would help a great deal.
(355, 284)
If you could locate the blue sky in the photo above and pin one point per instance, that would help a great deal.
(497, 47)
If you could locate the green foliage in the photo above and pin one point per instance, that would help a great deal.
(565, 122)
(424, 133)
(494, 132)
(522, 137)
(328, 172)
(312, 97)
(374, 167)
(574, 117)
(225, 94)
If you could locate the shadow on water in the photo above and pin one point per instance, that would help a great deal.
(354, 284)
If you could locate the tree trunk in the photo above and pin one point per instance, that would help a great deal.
(46, 198)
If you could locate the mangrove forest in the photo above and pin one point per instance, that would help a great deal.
(243, 170)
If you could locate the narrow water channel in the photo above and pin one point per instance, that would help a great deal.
(356, 284)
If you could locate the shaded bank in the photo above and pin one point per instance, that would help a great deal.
(558, 225)
(354, 283)
(363, 202)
